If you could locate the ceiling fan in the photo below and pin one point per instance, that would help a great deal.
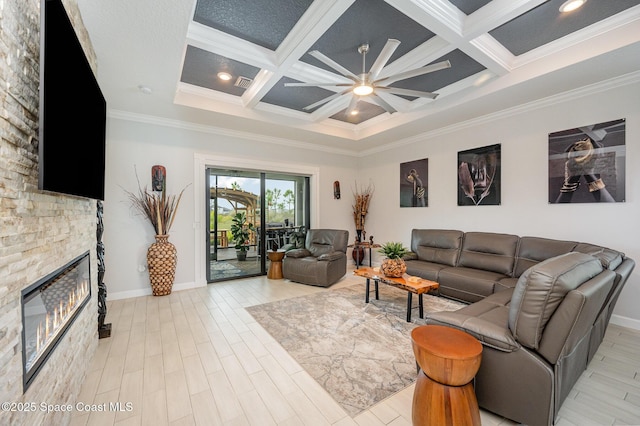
(368, 83)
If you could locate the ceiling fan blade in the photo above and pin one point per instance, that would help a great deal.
(384, 56)
(414, 73)
(409, 92)
(352, 104)
(317, 84)
(325, 100)
(384, 104)
(336, 66)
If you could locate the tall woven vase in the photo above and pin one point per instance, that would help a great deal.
(162, 258)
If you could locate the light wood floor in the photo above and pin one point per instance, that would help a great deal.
(196, 357)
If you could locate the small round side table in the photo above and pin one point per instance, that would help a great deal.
(449, 360)
(275, 267)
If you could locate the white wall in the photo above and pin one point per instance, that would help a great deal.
(142, 145)
(524, 208)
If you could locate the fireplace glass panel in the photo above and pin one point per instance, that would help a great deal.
(48, 308)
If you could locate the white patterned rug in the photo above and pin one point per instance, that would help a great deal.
(360, 353)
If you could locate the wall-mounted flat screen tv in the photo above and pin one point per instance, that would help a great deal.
(72, 111)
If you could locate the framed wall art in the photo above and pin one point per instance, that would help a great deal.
(587, 164)
(479, 176)
(413, 183)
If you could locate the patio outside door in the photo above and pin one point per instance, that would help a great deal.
(274, 204)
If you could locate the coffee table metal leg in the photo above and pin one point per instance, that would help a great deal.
(366, 295)
(377, 293)
(409, 294)
(420, 306)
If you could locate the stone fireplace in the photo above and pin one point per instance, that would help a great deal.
(39, 231)
(49, 307)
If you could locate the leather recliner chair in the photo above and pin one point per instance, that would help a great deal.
(322, 261)
(536, 336)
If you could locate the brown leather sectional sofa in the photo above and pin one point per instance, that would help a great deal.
(539, 306)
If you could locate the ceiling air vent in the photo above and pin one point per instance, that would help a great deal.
(243, 82)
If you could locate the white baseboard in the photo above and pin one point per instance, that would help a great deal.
(625, 322)
(147, 291)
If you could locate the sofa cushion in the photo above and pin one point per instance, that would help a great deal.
(297, 253)
(489, 251)
(334, 255)
(541, 289)
(318, 249)
(422, 269)
(533, 250)
(437, 245)
(467, 284)
(321, 241)
(486, 320)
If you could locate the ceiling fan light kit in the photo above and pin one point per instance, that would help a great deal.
(367, 83)
(363, 89)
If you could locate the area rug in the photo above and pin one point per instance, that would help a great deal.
(360, 353)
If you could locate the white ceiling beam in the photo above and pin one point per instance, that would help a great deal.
(494, 14)
(439, 16)
(487, 51)
(617, 31)
(229, 46)
(317, 19)
(314, 22)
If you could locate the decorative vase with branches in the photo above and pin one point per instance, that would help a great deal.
(362, 198)
(160, 209)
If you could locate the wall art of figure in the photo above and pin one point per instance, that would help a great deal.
(479, 176)
(587, 164)
(158, 178)
(413, 183)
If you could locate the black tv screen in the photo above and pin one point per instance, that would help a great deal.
(72, 111)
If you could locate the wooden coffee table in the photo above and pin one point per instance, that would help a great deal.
(410, 284)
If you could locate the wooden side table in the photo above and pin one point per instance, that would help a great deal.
(449, 360)
(362, 245)
(275, 267)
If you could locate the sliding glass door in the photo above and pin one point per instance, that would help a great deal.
(251, 212)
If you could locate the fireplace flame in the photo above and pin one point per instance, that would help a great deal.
(50, 325)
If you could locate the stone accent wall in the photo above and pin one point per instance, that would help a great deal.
(39, 232)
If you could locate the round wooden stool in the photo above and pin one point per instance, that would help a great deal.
(275, 268)
(449, 359)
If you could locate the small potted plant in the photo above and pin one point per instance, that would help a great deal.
(240, 229)
(393, 265)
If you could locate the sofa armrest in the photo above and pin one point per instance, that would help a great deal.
(497, 336)
(335, 255)
(295, 253)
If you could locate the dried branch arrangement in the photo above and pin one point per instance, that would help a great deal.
(158, 207)
(362, 197)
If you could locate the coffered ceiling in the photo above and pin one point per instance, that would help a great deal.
(503, 53)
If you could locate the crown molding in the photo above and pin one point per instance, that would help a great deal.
(201, 128)
(595, 88)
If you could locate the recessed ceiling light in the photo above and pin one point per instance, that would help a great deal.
(354, 112)
(570, 5)
(224, 76)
